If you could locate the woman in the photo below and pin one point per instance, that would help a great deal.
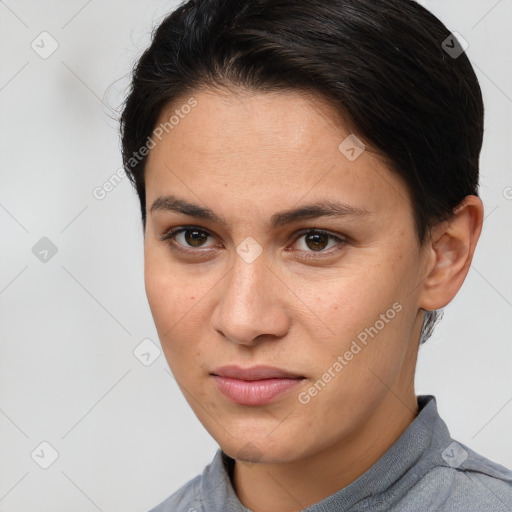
(308, 181)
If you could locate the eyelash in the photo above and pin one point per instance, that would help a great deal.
(170, 239)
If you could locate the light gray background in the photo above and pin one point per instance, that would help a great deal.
(124, 434)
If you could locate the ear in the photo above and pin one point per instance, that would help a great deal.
(450, 252)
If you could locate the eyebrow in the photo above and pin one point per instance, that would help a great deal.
(327, 208)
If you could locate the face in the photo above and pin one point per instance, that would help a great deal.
(327, 295)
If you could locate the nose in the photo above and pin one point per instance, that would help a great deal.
(251, 307)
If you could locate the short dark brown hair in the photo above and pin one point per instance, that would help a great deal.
(384, 65)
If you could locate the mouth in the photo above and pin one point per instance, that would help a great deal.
(255, 386)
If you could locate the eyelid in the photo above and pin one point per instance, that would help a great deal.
(169, 237)
(340, 239)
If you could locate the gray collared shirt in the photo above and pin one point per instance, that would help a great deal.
(425, 470)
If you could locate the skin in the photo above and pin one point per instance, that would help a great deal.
(246, 156)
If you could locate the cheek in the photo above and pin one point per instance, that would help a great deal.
(350, 305)
(348, 296)
(169, 293)
(177, 298)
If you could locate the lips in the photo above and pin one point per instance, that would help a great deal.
(255, 386)
(254, 373)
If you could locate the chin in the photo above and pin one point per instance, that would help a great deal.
(262, 451)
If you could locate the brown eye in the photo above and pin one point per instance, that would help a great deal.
(317, 241)
(187, 238)
(195, 237)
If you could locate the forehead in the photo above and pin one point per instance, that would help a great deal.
(253, 123)
(266, 148)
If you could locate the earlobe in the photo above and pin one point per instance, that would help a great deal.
(452, 246)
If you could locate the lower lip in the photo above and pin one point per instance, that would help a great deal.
(254, 392)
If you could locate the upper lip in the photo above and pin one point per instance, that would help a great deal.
(254, 373)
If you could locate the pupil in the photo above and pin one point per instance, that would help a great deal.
(196, 239)
(317, 239)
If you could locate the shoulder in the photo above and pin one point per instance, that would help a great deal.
(186, 499)
(463, 481)
(207, 492)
